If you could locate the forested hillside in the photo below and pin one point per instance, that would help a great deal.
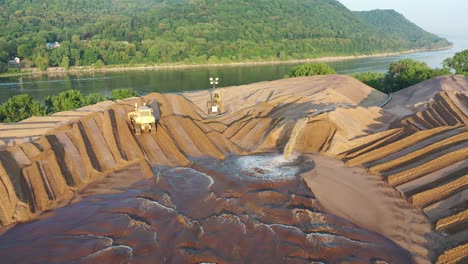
(394, 24)
(197, 31)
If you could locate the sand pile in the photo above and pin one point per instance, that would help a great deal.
(446, 109)
(422, 154)
(425, 158)
(413, 99)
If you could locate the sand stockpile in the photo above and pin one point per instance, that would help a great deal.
(184, 194)
(412, 99)
(425, 157)
(445, 109)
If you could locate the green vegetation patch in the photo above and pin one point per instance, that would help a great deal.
(459, 62)
(310, 69)
(22, 106)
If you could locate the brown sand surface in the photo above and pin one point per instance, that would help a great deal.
(425, 157)
(409, 100)
(315, 92)
(210, 213)
(181, 193)
(353, 194)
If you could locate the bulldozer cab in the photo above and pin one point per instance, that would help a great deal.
(144, 111)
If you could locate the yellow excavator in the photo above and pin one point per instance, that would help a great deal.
(142, 119)
(215, 106)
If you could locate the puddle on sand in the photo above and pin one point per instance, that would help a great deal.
(264, 166)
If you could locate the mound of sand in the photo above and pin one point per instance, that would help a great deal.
(425, 158)
(418, 149)
(412, 99)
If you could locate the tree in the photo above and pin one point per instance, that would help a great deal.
(94, 98)
(459, 62)
(99, 64)
(67, 100)
(65, 63)
(3, 67)
(373, 79)
(25, 50)
(41, 62)
(3, 61)
(90, 56)
(20, 107)
(407, 72)
(3, 56)
(57, 55)
(76, 56)
(119, 94)
(310, 69)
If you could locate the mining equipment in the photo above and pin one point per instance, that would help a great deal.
(142, 119)
(215, 105)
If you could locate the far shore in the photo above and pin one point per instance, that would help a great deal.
(144, 67)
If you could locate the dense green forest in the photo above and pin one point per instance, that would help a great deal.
(105, 32)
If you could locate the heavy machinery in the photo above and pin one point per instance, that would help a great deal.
(215, 105)
(142, 119)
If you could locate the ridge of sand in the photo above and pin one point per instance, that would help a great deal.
(413, 98)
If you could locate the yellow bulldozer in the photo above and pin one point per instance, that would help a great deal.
(142, 119)
(215, 105)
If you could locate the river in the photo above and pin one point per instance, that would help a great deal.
(178, 80)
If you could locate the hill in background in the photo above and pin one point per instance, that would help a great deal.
(199, 31)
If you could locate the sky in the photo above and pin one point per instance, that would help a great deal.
(443, 17)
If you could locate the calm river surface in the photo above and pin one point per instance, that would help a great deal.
(178, 80)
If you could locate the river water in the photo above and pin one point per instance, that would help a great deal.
(178, 80)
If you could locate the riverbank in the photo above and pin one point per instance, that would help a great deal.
(144, 67)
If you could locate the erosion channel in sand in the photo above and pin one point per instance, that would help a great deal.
(357, 184)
